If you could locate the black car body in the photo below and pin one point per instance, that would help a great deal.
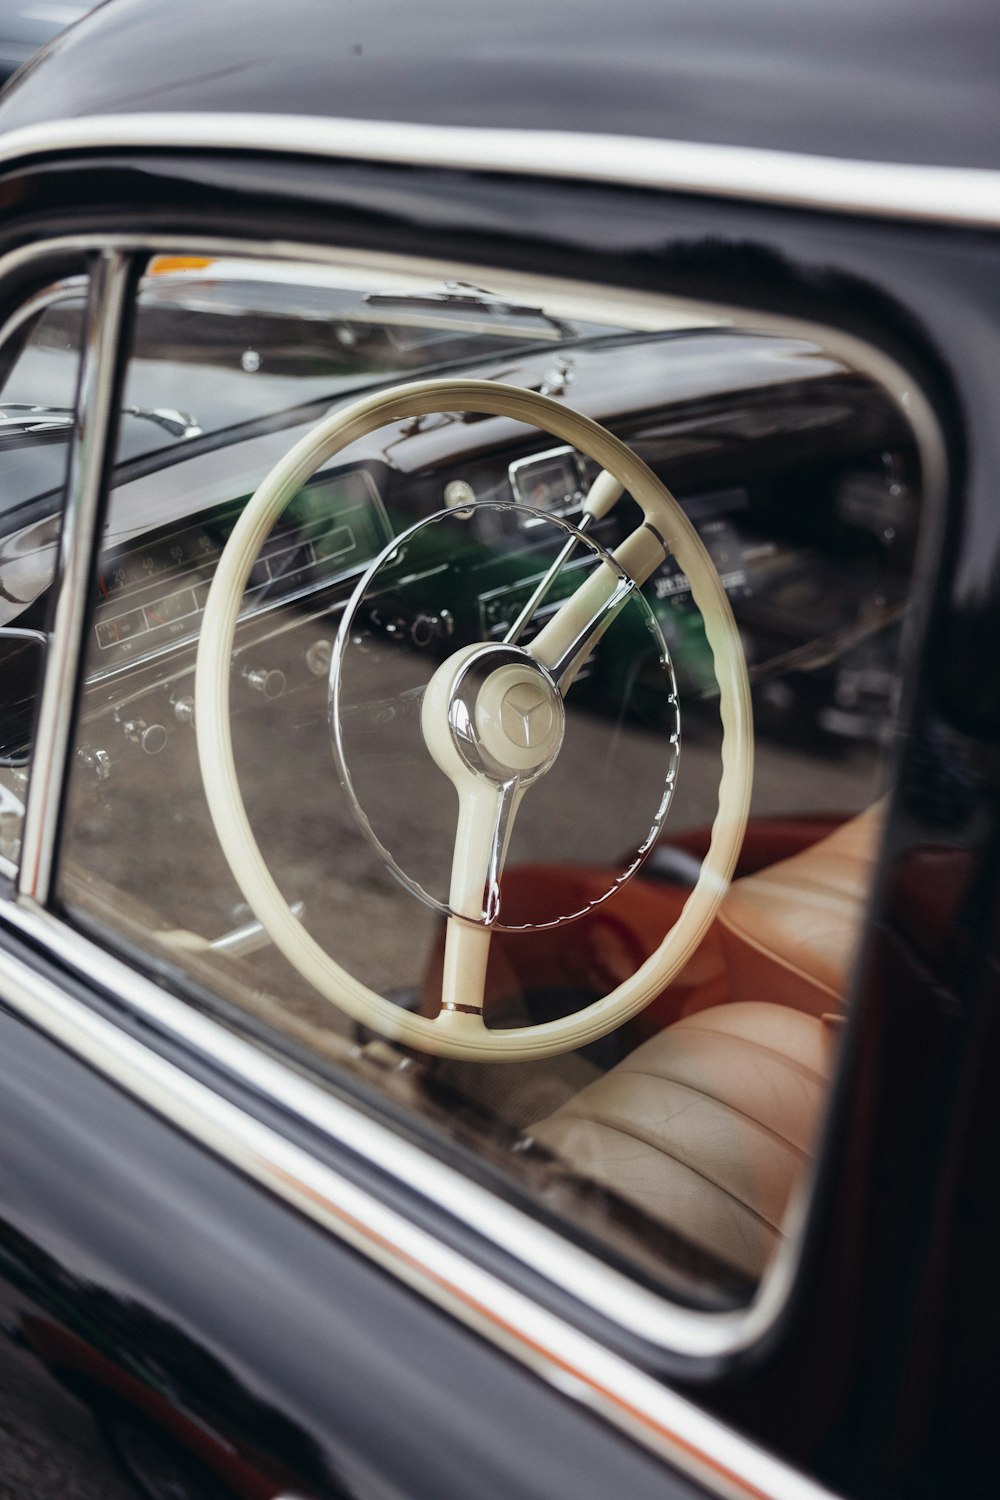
(25, 27)
(245, 1253)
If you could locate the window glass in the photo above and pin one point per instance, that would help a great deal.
(436, 721)
(39, 373)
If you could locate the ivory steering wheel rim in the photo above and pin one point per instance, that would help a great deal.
(453, 1033)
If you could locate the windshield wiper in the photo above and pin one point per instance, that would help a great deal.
(462, 296)
(21, 416)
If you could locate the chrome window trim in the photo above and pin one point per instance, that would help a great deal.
(64, 290)
(930, 194)
(102, 330)
(646, 1315)
(699, 1335)
(679, 1432)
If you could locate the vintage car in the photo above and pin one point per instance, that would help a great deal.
(499, 753)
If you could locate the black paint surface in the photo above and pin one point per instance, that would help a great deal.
(890, 80)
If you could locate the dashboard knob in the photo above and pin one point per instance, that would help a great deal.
(427, 628)
(268, 683)
(98, 761)
(151, 738)
(424, 629)
(184, 709)
(459, 493)
(318, 657)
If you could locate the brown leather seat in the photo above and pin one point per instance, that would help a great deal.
(789, 932)
(707, 1126)
(786, 933)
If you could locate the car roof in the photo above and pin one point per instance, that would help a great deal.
(908, 81)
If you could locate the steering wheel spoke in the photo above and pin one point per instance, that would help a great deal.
(463, 978)
(486, 811)
(565, 642)
(485, 823)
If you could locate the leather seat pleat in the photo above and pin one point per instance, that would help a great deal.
(707, 1126)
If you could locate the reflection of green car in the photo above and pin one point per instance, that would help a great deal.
(820, 651)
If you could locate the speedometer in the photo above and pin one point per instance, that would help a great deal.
(553, 482)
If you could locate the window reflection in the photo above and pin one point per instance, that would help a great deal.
(673, 1140)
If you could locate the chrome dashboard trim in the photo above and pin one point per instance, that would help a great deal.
(897, 190)
(653, 1415)
(322, 613)
(572, 503)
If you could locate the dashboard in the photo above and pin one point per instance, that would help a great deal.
(805, 492)
(151, 596)
(814, 557)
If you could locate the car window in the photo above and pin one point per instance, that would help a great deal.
(39, 373)
(511, 750)
(265, 340)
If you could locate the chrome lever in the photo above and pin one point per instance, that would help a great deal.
(249, 938)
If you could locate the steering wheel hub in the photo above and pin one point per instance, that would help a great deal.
(519, 719)
(495, 711)
(519, 711)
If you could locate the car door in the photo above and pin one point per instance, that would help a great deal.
(253, 1247)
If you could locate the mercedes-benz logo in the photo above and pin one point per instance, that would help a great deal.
(526, 714)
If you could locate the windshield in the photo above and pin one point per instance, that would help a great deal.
(261, 339)
(248, 341)
(256, 339)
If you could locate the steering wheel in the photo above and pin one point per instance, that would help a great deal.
(475, 717)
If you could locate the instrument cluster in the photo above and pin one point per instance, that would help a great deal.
(152, 594)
